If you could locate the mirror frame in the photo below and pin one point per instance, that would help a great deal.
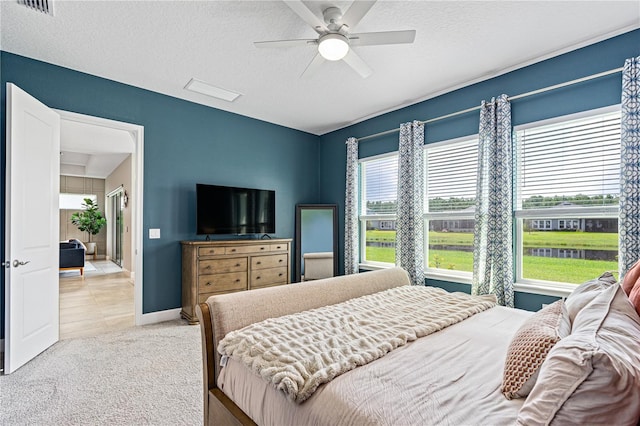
(298, 239)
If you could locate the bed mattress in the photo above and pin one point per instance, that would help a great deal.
(450, 377)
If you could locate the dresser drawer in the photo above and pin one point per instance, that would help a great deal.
(216, 283)
(210, 251)
(219, 266)
(279, 247)
(265, 277)
(272, 261)
(259, 248)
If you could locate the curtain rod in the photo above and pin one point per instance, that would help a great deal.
(510, 98)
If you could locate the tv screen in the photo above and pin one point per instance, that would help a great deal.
(231, 210)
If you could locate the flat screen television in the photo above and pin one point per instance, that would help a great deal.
(232, 210)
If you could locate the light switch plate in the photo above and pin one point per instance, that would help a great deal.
(154, 233)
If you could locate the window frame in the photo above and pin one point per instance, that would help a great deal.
(363, 263)
(434, 273)
(553, 288)
(441, 273)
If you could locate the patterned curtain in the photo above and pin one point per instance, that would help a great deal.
(629, 220)
(351, 240)
(410, 211)
(492, 240)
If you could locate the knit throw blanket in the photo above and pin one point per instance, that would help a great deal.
(299, 352)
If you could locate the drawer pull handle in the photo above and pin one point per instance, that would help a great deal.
(280, 260)
(238, 280)
(233, 250)
(237, 264)
(209, 283)
(258, 263)
(280, 274)
(257, 278)
(208, 267)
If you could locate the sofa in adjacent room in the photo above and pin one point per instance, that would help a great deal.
(72, 255)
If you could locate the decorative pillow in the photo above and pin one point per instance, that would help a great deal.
(591, 376)
(586, 292)
(529, 347)
(630, 278)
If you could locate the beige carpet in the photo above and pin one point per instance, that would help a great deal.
(148, 375)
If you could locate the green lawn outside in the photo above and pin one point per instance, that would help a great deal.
(558, 239)
(541, 268)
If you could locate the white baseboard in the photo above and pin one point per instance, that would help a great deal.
(160, 316)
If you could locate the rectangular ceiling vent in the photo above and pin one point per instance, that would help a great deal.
(44, 6)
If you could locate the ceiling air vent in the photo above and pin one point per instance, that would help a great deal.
(44, 6)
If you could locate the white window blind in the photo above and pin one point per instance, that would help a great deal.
(451, 177)
(380, 181)
(570, 164)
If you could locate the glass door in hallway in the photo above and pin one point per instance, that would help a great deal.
(116, 224)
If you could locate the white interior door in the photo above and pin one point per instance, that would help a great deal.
(32, 320)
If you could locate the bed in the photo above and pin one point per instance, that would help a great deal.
(457, 374)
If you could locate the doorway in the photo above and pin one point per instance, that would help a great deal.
(124, 240)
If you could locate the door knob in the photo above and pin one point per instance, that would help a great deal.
(17, 263)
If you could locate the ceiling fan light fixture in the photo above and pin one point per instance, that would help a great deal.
(333, 47)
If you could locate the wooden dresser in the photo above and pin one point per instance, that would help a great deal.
(216, 267)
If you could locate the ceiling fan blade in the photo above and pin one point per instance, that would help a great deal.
(355, 62)
(313, 66)
(385, 37)
(307, 16)
(356, 12)
(285, 43)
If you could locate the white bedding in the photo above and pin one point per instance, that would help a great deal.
(450, 377)
(299, 352)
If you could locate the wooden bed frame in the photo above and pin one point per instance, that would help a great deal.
(224, 313)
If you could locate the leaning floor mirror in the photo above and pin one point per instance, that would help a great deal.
(316, 241)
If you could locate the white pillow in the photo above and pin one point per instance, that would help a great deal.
(593, 375)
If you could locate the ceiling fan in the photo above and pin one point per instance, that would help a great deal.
(335, 39)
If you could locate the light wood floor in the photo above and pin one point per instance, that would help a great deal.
(101, 301)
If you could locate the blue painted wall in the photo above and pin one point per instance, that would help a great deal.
(596, 58)
(184, 143)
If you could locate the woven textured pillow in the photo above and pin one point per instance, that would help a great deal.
(530, 346)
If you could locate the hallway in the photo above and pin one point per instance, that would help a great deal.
(101, 301)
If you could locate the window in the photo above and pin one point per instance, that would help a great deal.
(75, 201)
(379, 189)
(570, 224)
(567, 175)
(541, 224)
(451, 170)
(449, 207)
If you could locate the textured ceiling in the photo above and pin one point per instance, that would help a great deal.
(160, 46)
